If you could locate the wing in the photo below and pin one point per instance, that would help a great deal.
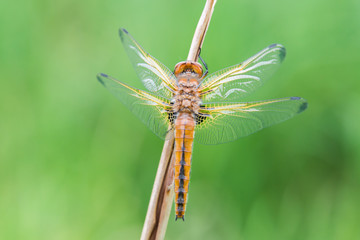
(155, 76)
(152, 110)
(220, 123)
(233, 83)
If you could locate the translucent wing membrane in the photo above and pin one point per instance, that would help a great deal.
(228, 122)
(233, 83)
(152, 110)
(155, 76)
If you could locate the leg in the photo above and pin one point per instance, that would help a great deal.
(203, 62)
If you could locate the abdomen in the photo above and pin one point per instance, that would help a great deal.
(184, 138)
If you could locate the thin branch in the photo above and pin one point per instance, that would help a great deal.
(201, 29)
(162, 195)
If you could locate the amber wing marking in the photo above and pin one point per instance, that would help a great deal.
(233, 83)
(230, 121)
(151, 109)
(155, 76)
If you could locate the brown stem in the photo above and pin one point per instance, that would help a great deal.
(200, 31)
(162, 195)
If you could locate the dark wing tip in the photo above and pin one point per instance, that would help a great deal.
(303, 105)
(273, 45)
(122, 31)
(99, 77)
(281, 48)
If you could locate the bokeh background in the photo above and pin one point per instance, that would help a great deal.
(76, 164)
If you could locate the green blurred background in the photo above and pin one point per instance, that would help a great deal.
(76, 164)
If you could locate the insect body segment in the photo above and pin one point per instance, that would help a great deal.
(184, 138)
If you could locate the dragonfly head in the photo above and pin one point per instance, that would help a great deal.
(188, 67)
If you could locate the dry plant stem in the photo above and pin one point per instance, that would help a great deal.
(162, 195)
(200, 31)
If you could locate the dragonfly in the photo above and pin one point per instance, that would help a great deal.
(191, 102)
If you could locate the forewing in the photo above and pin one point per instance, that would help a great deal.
(233, 83)
(228, 122)
(152, 110)
(155, 76)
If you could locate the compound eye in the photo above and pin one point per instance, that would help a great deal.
(188, 67)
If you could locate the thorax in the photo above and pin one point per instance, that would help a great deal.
(187, 98)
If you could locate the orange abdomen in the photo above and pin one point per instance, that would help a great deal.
(184, 138)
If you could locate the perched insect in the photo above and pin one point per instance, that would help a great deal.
(188, 102)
